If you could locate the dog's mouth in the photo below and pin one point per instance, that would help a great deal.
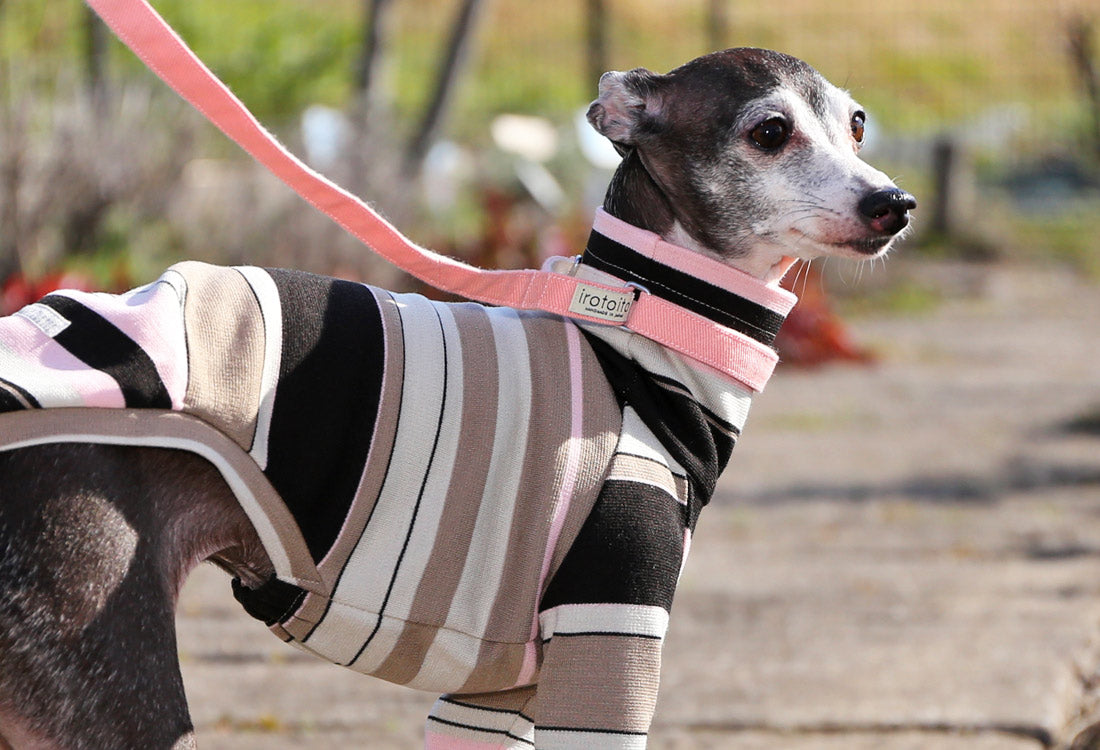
(866, 246)
(861, 247)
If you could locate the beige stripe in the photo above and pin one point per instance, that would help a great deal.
(503, 700)
(637, 469)
(225, 349)
(385, 430)
(444, 569)
(166, 429)
(620, 675)
(601, 427)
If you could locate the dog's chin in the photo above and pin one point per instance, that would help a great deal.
(856, 248)
(868, 247)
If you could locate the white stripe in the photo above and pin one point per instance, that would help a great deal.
(43, 382)
(721, 394)
(485, 559)
(471, 605)
(638, 440)
(432, 498)
(564, 739)
(267, 295)
(371, 565)
(624, 619)
(268, 536)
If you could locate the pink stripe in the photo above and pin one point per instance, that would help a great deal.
(572, 457)
(435, 741)
(530, 660)
(690, 262)
(687, 549)
(92, 387)
(153, 318)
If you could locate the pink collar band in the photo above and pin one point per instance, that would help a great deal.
(650, 245)
(727, 297)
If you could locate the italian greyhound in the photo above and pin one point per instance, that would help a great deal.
(523, 488)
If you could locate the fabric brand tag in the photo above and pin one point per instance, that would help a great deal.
(46, 319)
(603, 304)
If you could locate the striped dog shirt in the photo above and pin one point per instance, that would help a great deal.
(490, 504)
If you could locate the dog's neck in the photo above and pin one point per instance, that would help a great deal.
(635, 197)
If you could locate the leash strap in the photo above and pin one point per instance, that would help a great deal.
(143, 30)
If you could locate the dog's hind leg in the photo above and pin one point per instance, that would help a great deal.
(95, 542)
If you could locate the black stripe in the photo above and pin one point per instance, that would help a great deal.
(602, 633)
(459, 725)
(679, 389)
(14, 398)
(622, 732)
(96, 342)
(385, 476)
(271, 602)
(628, 551)
(699, 296)
(326, 401)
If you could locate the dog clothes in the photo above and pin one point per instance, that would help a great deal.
(491, 504)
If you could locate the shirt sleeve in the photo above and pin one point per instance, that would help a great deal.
(604, 618)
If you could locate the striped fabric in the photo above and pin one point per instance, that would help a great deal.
(489, 504)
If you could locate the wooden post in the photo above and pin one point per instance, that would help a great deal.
(944, 168)
(718, 25)
(447, 77)
(596, 40)
(1083, 57)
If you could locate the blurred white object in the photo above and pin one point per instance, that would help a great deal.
(325, 134)
(542, 185)
(446, 170)
(533, 138)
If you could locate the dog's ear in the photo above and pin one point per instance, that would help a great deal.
(628, 106)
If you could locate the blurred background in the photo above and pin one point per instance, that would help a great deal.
(462, 121)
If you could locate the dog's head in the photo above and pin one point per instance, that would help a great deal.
(756, 157)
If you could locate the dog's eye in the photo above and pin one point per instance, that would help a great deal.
(771, 134)
(859, 124)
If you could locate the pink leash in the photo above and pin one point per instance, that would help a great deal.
(142, 29)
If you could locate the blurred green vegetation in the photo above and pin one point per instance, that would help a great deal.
(936, 67)
(917, 66)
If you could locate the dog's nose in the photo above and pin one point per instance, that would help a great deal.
(887, 211)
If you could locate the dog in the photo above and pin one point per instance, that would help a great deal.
(490, 504)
